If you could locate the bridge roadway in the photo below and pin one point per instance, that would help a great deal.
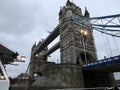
(50, 38)
(111, 64)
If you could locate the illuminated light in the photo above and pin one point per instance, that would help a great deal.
(36, 55)
(23, 58)
(2, 77)
(85, 33)
(18, 57)
(81, 31)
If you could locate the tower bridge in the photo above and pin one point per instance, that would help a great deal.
(79, 66)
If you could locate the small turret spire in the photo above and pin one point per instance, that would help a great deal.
(86, 13)
(68, 2)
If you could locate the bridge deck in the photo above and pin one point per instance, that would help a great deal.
(111, 64)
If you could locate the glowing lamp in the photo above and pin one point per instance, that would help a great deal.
(23, 58)
(81, 31)
(36, 55)
(85, 33)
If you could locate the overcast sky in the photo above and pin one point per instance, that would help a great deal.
(24, 22)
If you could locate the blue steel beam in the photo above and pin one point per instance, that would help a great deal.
(106, 28)
(103, 17)
(110, 26)
(111, 64)
(115, 30)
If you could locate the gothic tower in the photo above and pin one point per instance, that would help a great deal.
(37, 61)
(76, 40)
(77, 45)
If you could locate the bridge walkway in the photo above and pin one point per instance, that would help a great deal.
(111, 64)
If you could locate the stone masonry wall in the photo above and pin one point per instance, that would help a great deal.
(70, 74)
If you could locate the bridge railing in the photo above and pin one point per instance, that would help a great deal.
(102, 63)
(95, 88)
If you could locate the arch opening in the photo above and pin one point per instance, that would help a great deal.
(86, 57)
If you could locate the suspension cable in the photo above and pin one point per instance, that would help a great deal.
(104, 40)
(107, 40)
(116, 45)
(108, 45)
(105, 45)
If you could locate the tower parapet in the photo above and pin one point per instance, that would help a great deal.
(70, 10)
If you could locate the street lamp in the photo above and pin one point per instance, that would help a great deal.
(36, 55)
(84, 34)
(2, 77)
(20, 59)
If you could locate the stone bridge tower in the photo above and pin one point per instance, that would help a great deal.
(76, 41)
(77, 45)
(37, 61)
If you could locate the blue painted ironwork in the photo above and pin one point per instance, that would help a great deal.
(103, 17)
(104, 24)
(102, 63)
(111, 26)
(106, 33)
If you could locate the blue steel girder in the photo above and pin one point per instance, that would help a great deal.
(111, 64)
(106, 24)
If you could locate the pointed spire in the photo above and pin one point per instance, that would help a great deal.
(86, 13)
(34, 44)
(68, 2)
(60, 7)
(60, 10)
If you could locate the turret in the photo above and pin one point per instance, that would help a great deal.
(70, 10)
(86, 13)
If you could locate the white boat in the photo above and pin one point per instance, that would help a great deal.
(7, 56)
(4, 81)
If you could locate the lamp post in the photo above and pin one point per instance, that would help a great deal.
(84, 34)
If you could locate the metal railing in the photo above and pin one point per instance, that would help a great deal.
(95, 88)
(102, 63)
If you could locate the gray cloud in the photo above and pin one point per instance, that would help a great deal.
(18, 17)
